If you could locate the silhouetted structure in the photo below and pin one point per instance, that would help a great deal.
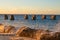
(12, 17)
(34, 17)
(5, 17)
(53, 17)
(43, 17)
(25, 16)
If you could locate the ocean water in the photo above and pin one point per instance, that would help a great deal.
(53, 25)
(38, 23)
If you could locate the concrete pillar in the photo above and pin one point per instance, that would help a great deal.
(25, 16)
(5, 17)
(43, 17)
(12, 17)
(34, 17)
(53, 17)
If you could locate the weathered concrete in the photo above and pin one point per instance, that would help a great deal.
(43, 17)
(12, 17)
(34, 17)
(5, 17)
(53, 17)
(25, 16)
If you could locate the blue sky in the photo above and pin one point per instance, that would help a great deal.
(30, 4)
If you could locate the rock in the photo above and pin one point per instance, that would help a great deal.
(9, 29)
(2, 28)
(57, 35)
(26, 32)
(20, 30)
(21, 38)
(38, 34)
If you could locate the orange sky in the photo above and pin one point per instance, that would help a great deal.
(29, 11)
(29, 6)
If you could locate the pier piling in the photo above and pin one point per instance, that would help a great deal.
(25, 16)
(34, 17)
(43, 17)
(53, 17)
(12, 17)
(5, 17)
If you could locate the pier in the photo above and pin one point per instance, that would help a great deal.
(12, 17)
(53, 17)
(25, 16)
(34, 17)
(43, 17)
(5, 17)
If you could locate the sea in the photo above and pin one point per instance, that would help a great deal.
(35, 24)
(53, 25)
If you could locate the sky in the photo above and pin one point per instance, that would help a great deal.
(29, 6)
